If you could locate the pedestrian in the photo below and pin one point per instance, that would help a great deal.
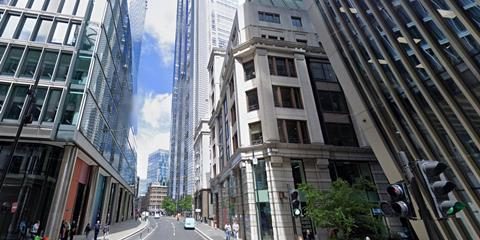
(23, 229)
(34, 231)
(73, 229)
(87, 230)
(63, 231)
(309, 235)
(228, 231)
(97, 230)
(235, 228)
(106, 230)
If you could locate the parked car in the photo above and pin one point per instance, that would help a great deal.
(189, 223)
(156, 216)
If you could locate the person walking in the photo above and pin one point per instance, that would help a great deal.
(97, 230)
(34, 231)
(87, 230)
(228, 231)
(106, 230)
(236, 229)
(73, 230)
(63, 231)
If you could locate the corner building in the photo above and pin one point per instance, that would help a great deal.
(412, 68)
(279, 119)
(76, 161)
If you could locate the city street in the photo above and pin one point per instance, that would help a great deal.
(169, 229)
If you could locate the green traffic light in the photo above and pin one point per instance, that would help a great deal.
(457, 207)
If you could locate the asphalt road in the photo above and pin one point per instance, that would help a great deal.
(169, 229)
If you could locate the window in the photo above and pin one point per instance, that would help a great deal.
(48, 65)
(282, 66)
(30, 63)
(287, 97)
(261, 175)
(233, 114)
(255, 133)
(297, 22)
(231, 86)
(82, 7)
(320, 71)
(352, 172)
(53, 5)
(3, 94)
(38, 103)
(52, 105)
(293, 131)
(21, 3)
(43, 30)
(11, 26)
(15, 104)
(298, 172)
(59, 33)
(269, 17)
(72, 108)
(38, 4)
(81, 69)
(12, 61)
(303, 41)
(252, 100)
(27, 28)
(249, 68)
(340, 134)
(332, 102)
(235, 142)
(73, 34)
(68, 7)
(63, 66)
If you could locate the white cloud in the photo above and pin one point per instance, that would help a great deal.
(160, 23)
(154, 127)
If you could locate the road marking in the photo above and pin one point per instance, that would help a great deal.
(173, 226)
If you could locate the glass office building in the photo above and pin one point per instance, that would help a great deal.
(158, 167)
(413, 70)
(76, 161)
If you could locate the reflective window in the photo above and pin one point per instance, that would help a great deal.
(293, 131)
(30, 63)
(53, 5)
(59, 33)
(282, 66)
(255, 133)
(73, 34)
(340, 134)
(81, 69)
(72, 108)
(52, 105)
(15, 105)
(3, 94)
(21, 3)
(332, 102)
(48, 65)
(38, 4)
(11, 63)
(252, 100)
(287, 97)
(296, 21)
(11, 26)
(40, 94)
(63, 66)
(69, 6)
(2, 50)
(43, 30)
(249, 68)
(27, 28)
(321, 72)
(82, 7)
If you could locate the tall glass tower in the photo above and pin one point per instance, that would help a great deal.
(158, 169)
(76, 160)
(413, 71)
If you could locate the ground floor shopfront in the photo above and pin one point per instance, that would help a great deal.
(254, 188)
(53, 182)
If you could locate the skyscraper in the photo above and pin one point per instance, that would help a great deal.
(158, 169)
(76, 160)
(200, 26)
(412, 69)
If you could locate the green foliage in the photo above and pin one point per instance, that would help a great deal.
(344, 209)
(185, 204)
(169, 205)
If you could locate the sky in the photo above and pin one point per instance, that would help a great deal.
(154, 97)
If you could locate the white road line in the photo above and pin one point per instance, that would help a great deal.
(173, 226)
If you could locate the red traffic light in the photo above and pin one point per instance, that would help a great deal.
(395, 191)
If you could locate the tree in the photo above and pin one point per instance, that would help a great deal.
(169, 205)
(185, 204)
(344, 209)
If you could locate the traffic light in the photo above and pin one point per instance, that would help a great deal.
(439, 188)
(295, 203)
(399, 204)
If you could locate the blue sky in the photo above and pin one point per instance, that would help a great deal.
(153, 100)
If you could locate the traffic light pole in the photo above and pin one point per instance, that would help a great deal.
(23, 120)
(294, 222)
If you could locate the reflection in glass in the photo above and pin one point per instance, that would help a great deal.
(68, 7)
(72, 108)
(11, 63)
(72, 36)
(21, 3)
(82, 7)
(2, 50)
(12, 23)
(48, 65)
(63, 66)
(60, 32)
(40, 94)
(52, 105)
(53, 5)
(30, 64)
(97, 10)
(3, 94)
(43, 30)
(38, 4)
(15, 104)
(27, 28)
(81, 69)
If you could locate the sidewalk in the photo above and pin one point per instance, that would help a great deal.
(209, 232)
(118, 231)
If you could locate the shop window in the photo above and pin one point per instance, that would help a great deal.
(59, 32)
(11, 26)
(72, 108)
(15, 105)
(40, 94)
(281, 66)
(3, 94)
(252, 100)
(52, 105)
(43, 31)
(30, 63)
(249, 68)
(63, 66)
(293, 131)
(332, 102)
(255, 133)
(340, 134)
(48, 65)
(28, 25)
(287, 97)
(11, 63)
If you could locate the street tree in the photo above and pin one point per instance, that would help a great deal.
(169, 205)
(185, 204)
